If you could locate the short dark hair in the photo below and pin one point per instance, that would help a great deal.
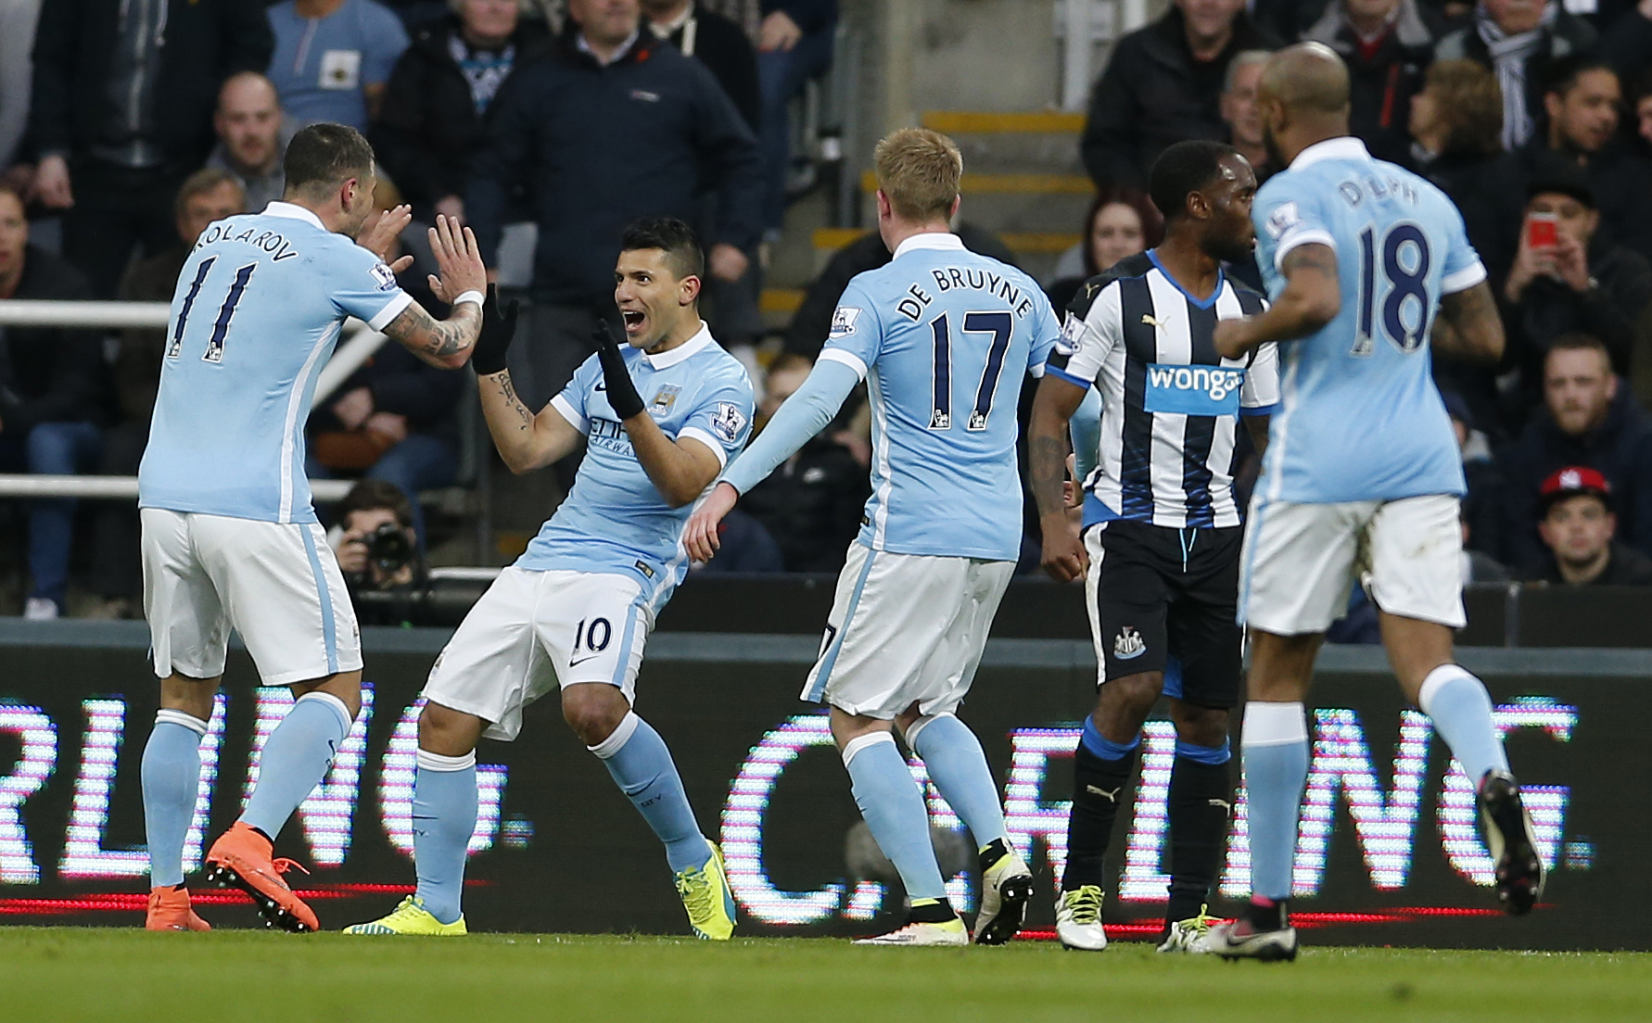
(325, 155)
(1185, 167)
(1562, 75)
(671, 236)
(368, 495)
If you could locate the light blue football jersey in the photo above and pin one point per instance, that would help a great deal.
(255, 316)
(614, 520)
(943, 337)
(1361, 418)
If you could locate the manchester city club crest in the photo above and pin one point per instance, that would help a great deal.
(664, 399)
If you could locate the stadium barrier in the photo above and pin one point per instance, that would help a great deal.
(1389, 852)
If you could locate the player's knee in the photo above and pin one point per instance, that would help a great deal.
(593, 710)
(448, 732)
(1128, 699)
(1202, 726)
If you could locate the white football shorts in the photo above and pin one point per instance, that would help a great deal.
(533, 630)
(276, 583)
(1300, 562)
(904, 629)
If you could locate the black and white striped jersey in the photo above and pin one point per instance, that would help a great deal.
(1170, 404)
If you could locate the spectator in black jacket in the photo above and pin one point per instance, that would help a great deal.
(1240, 112)
(1582, 283)
(50, 383)
(1582, 106)
(612, 125)
(811, 504)
(122, 113)
(1387, 45)
(715, 41)
(1163, 84)
(1627, 43)
(1588, 419)
(1577, 528)
(1518, 40)
(440, 95)
(794, 44)
(207, 195)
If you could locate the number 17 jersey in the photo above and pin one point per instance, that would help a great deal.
(255, 316)
(943, 337)
(1360, 418)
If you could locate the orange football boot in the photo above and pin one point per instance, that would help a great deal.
(169, 911)
(241, 859)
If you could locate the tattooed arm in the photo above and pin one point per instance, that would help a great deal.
(444, 343)
(1469, 327)
(460, 274)
(525, 441)
(1311, 299)
(1053, 406)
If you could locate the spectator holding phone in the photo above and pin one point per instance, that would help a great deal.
(1567, 279)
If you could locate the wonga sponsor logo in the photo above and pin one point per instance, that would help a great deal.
(1194, 390)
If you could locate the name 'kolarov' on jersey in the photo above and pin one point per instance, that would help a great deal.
(255, 316)
(1170, 403)
(1360, 416)
(943, 336)
(614, 520)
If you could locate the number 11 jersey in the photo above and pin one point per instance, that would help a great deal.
(1360, 418)
(943, 337)
(255, 316)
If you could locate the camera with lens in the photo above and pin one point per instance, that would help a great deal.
(389, 548)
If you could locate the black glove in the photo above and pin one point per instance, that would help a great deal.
(622, 393)
(498, 327)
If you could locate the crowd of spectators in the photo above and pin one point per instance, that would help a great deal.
(1537, 121)
(143, 119)
(126, 125)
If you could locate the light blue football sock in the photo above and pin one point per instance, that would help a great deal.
(1275, 746)
(1460, 708)
(641, 765)
(893, 807)
(171, 776)
(952, 755)
(296, 757)
(444, 817)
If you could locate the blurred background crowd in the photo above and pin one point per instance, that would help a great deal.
(126, 126)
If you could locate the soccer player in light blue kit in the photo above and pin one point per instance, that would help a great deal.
(1362, 473)
(229, 537)
(942, 337)
(576, 609)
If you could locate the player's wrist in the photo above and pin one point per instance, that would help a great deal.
(470, 295)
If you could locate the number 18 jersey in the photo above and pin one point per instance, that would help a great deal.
(1360, 416)
(943, 337)
(255, 316)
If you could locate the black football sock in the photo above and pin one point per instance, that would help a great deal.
(1201, 797)
(1100, 784)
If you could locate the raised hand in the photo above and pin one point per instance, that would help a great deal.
(380, 232)
(458, 261)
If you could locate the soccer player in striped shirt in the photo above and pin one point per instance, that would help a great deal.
(1161, 530)
(1362, 477)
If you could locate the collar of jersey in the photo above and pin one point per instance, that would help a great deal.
(929, 240)
(1201, 303)
(293, 211)
(701, 338)
(1345, 147)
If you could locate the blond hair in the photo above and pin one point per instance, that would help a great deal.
(918, 171)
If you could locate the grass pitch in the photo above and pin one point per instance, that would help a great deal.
(48, 975)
